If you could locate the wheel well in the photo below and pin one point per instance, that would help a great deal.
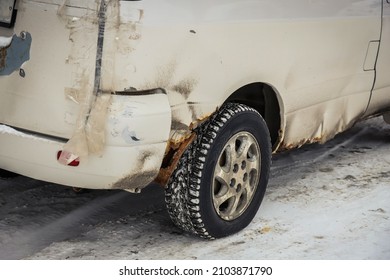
(261, 97)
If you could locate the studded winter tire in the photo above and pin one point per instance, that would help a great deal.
(220, 181)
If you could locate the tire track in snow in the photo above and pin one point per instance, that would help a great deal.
(30, 240)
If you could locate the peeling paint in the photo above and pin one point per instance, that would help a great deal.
(90, 127)
(95, 126)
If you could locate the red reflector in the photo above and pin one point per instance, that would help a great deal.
(75, 162)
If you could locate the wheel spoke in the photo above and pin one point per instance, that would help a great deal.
(232, 210)
(229, 154)
(253, 165)
(234, 151)
(242, 148)
(252, 152)
(248, 191)
(222, 176)
(224, 198)
(225, 160)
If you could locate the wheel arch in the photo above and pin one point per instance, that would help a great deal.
(262, 97)
(266, 100)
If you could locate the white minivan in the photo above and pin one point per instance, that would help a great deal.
(194, 95)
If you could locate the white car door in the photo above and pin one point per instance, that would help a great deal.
(380, 99)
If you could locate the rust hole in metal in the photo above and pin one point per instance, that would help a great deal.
(172, 158)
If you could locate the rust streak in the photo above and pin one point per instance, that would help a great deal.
(3, 55)
(172, 158)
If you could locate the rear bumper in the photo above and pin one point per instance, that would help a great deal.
(137, 130)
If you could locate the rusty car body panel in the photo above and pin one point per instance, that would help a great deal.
(119, 85)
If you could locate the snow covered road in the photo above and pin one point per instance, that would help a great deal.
(328, 201)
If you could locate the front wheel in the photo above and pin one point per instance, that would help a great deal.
(220, 181)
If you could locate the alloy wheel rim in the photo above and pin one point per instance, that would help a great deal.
(236, 176)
